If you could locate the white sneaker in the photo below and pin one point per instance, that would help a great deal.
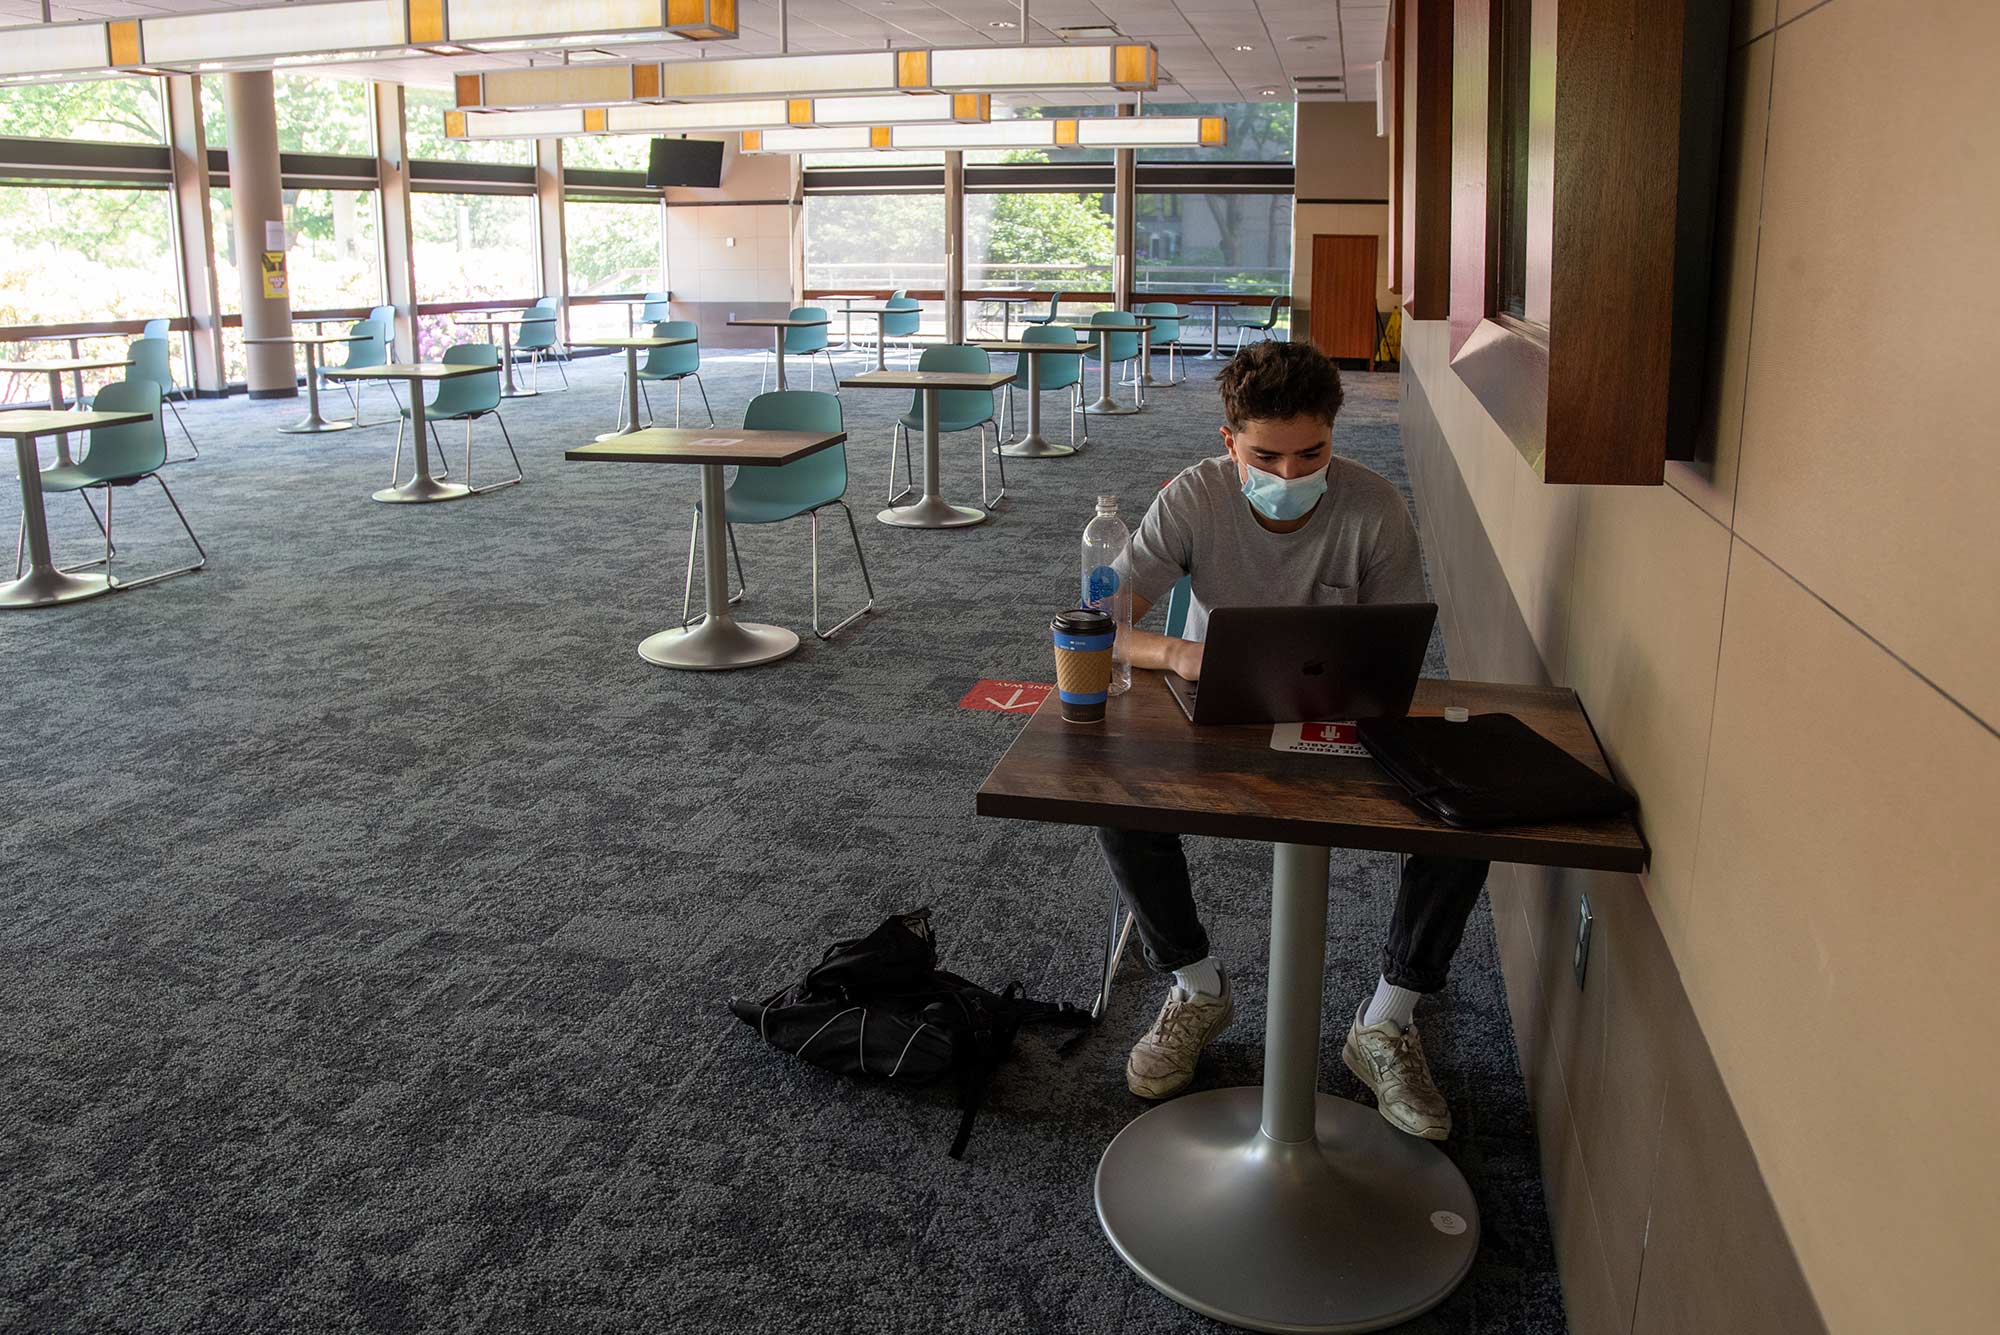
(1391, 1062)
(1163, 1061)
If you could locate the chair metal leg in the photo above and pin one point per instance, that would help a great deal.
(200, 551)
(520, 474)
(687, 585)
(396, 464)
(1114, 952)
(182, 423)
(20, 541)
(908, 471)
(646, 401)
(558, 363)
(843, 624)
(990, 501)
(704, 396)
(742, 584)
(444, 469)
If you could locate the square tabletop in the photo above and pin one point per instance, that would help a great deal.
(504, 317)
(68, 364)
(927, 380)
(408, 371)
(28, 423)
(636, 341)
(1145, 767)
(1091, 331)
(315, 339)
(713, 445)
(780, 323)
(1031, 349)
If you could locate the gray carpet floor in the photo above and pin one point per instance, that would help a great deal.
(368, 909)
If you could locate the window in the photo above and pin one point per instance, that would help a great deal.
(1512, 62)
(1040, 241)
(423, 120)
(1190, 242)
(610, 248)
(470, 248)
(609, 153)
(874, 241)
(118, 111)
(315, 115)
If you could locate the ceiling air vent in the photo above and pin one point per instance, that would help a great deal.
(1319, 87)
(1090, 32)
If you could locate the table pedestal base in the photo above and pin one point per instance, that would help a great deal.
(313, 423)
(716, 643)
(424, 489)
(931, 512)
(1034, 447)
(45, 586)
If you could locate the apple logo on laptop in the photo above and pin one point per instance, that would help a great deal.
(1314, 669)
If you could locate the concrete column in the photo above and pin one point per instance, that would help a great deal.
(954, 247)
(257, 195)
(549, 233)
(1124, 218)
(395, 256)
(194, 232)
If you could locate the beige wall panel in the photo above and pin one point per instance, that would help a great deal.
(1646, 620)
(1589, 1296)
(1710, 480)
(1338, 153)
(1539, 555)
(1869, 463)
(1842, 954)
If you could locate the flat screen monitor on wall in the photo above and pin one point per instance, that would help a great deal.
(695, 162)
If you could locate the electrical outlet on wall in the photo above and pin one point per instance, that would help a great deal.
(1580, 961)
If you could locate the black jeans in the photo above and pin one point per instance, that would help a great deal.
(1436, 897)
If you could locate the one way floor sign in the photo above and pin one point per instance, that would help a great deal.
(1006, 697)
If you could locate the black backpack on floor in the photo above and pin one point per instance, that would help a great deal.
(879, 1006)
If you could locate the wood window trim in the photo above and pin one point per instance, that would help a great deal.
(1624, 153)
(1426, 33)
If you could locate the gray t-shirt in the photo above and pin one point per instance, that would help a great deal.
(1358, 547)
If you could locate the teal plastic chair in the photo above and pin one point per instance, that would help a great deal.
(958, 410)
(676, 364)
(150, 361)
(1165, 317)
(1267, 325)
(803, 487)
(466, 399)
(371, 350)
(657, 308)
(120, 456)
(1055, 306)
(902, 316)
(1178, 599)
(160, 328)
(538, 339)
(804, 343)
(384, 318)
(1057, 373)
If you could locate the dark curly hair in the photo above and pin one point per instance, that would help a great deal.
(1271, 381)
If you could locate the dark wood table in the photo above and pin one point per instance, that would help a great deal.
(45, 583)
(1095, 333)
(778, 326)
(718, 641)
(54, 367)
(504, 321)
(1315, 1213)
(1033, 445)
(629, 422)
(933, 510)
(422, 488)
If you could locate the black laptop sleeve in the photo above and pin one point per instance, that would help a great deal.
(1491, 769)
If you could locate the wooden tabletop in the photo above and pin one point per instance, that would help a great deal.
(68, 364)
(1032, 349)
(715, 445)
(27, 423)
(787, 323)
(311, 338)
(408, 371)
(1231, 301)
(1147, 768)
(637, 341)
(928, 380)
(506, 317)
(1091, 331)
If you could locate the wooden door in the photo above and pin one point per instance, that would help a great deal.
(1343, 295)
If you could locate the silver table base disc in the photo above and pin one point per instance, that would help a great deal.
(715, 646)
(422, 491)
(1362, 1229)
(313, 426)
(520, 393)
(931, 512)
(48, 586)
(1034, 447)
(1112, 408)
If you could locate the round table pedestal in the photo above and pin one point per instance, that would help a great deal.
(423, 489)
(931, 512)
(716, 643)
(44, 586)
(1361, 1228)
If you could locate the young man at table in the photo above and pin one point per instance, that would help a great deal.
(1280, 519)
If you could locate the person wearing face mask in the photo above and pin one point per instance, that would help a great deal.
(1280, 519)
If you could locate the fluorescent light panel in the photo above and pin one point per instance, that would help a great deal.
(941, 109)
(1103, 132)
(986, 69)
(271, 36)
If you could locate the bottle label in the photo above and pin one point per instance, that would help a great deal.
(1101, 583)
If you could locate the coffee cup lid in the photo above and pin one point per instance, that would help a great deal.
(1082, 621)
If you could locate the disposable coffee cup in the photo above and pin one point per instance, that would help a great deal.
(1083, 638)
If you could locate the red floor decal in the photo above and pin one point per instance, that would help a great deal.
(1006, 697)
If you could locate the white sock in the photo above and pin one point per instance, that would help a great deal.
(1203, 977)
(1391, 1003)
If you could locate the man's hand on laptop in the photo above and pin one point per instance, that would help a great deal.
(1162, 653)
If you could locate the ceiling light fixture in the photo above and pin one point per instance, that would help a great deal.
(1023, 132)
(700, 117)
(1246, 48)
(1133, 67)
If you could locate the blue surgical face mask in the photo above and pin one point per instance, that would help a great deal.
(1280, 498)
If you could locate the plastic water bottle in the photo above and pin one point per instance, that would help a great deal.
(1104, 541)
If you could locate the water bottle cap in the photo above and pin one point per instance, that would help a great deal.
(1457, 714)
(1106, 503)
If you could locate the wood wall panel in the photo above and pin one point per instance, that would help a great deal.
(1427, 95)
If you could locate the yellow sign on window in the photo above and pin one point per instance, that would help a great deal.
(274, 273)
